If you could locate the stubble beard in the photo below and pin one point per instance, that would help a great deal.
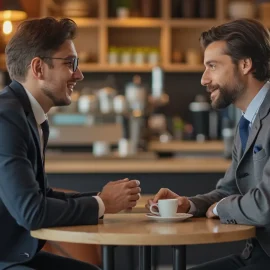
(56, 101)
(228, 95)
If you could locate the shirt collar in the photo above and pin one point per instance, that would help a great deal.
(39, 114)
(256, 102)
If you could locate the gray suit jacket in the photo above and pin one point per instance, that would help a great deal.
(246, 184)
(26, 201)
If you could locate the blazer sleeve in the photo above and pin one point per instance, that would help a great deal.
(67, 195)
(252, 208)
(225, 187)
(20, 190)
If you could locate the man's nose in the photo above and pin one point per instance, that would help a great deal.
(205, 80)
(78, 75)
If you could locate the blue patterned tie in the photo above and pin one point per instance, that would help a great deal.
(244, 131)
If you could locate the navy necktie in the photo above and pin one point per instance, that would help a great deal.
(46, 131)
(244, 131)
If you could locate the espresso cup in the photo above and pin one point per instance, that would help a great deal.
(166, 208)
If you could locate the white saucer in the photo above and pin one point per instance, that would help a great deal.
(178, 217)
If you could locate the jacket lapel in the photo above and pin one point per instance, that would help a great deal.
(33, 125)
(262, 113)
(19, 91)
(253, 133)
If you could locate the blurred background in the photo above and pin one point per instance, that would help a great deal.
(142, 65)
(141, 111)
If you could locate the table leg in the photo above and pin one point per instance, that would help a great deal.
(154, 257)
(145, 257)
(130, 256)
(179, 257)
(108, 257)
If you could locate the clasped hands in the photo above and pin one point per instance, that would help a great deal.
(120, 195)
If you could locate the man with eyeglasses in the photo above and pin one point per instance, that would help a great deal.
(43, 65)
(72, 61)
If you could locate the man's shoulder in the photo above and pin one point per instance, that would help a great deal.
(8, 101)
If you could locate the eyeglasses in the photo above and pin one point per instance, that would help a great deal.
(74, 61)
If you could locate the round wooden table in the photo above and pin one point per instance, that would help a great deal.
(138, 230)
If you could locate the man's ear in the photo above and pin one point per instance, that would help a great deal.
(37, 68)
(246, 65)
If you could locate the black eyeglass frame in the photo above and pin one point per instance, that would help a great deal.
(73, 60)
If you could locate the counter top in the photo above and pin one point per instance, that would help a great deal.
(165, 165)
(186, 146)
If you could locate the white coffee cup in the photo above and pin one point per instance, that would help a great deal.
(166, 207)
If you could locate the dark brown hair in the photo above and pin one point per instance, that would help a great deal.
(245, 38)
(38, 37)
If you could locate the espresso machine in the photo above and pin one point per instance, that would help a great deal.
(102, 118)
(141, 105)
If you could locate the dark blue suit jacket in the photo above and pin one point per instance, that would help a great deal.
(26, 201)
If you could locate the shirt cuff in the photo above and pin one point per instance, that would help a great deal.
(215, 212)
(101, 206)
(192, 208)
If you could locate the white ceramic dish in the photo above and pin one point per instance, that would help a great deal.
(178, 217)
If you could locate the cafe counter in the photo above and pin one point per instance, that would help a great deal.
(82, 164)
(184, 157)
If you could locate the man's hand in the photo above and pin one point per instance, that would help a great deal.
(120, 195)
(165, 193)
(210, 213)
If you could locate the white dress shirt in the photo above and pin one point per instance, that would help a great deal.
(40, 117)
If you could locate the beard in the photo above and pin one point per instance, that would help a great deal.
(227, 94)
(55, 100)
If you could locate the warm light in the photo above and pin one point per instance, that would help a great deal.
(13, 15)
(7, 27)
(7, 14)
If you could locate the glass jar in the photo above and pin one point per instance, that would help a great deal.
(139, 56)
(193, 57)
(126, 56)
(113, 56)
(177, 56)
(153, 56)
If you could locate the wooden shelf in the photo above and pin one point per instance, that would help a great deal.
(147, 22)
(193, 23)
(134, 22)
(85, 22)
(114, 68)
(170, 165)
(184, 68)
(85, 67)
(166, 33)
(186, 146)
